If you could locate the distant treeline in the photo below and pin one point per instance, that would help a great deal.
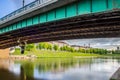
(48, 46)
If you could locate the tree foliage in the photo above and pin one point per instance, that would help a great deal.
(48, 46)
(29, 47)
(56, 47)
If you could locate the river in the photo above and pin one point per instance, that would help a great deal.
(59, 69)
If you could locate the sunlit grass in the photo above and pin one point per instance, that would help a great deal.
(52, 54)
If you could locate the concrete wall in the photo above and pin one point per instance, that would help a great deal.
(4, 53)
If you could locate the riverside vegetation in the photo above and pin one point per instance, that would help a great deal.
(45, 49)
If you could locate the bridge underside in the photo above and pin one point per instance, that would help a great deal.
(98, 25)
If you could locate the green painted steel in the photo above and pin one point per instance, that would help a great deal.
(14, 26)
(19, 25)
(71, 10)
(116, 3)
(110, 6)
(99, 5)
(35, 20)
(60, 13)
(10, 28)
(6, 29)
(43, 18)
(84, 7)
(29, 22)
(51, 15)
(79, 8)
(24, 23)
(2, 30)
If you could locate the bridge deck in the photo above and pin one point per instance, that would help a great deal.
(59, 10)
(37, 12)
(98, 25)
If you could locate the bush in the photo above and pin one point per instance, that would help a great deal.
(56, 47)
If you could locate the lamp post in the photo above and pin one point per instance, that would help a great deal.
(23, 3)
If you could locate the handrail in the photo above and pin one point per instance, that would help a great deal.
(26, 9)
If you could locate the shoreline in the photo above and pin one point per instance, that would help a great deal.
(25, 57)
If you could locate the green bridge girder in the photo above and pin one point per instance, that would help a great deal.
(75, 9)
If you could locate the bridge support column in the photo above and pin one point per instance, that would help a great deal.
(4, 53)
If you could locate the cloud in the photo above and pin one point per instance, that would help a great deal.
(107, 43)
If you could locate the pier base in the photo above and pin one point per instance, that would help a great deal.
(116, 75)
(4, 53)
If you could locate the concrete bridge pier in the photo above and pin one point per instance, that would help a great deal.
(4, 53)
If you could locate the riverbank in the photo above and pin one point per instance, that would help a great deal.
(54, 54)
(58, 54)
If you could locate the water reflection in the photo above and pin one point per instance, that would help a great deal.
(5, 74)
(27, 71)
(59, 69)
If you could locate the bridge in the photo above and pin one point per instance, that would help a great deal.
(50, 20)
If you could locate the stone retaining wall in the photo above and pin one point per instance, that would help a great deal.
(4, 53)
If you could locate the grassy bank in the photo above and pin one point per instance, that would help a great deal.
(52, 54)
(111, 55)
(59, 54)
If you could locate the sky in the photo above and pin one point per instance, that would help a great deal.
(8, 6)
(105, 43)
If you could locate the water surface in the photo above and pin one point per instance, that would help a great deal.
(59, 69)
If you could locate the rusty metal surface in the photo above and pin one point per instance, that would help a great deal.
(102, 25)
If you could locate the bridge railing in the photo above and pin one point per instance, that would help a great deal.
(26, 9)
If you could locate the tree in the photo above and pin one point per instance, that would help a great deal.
(49, 47)
(72, 49)
(29, 47)
(43, 45)
(55, 47)
(40, 46)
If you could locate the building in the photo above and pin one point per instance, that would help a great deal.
(77, 47)
(59, 43)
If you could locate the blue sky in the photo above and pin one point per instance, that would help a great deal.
(8, 6)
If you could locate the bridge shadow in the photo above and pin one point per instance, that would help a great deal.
(26, 71)
(7, 75)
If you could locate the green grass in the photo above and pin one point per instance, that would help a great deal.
(17, 52)
(111, 54)
(54, 54)
(59, 54)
